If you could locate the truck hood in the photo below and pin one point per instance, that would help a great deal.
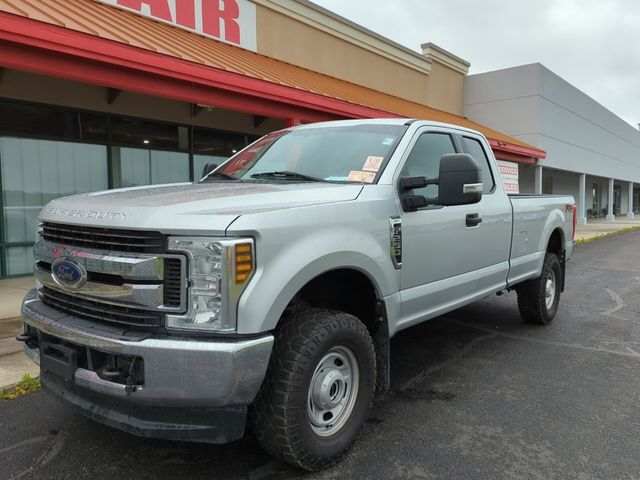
(187, 207)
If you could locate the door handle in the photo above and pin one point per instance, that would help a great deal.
(473, 219)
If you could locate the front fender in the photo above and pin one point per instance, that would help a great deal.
(287, 269)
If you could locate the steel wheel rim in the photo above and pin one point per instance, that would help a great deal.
(550, 290)
(333, 391)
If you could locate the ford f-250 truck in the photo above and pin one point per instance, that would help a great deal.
(266, 293)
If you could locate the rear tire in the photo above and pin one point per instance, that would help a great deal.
(318, 390)
(538, 298)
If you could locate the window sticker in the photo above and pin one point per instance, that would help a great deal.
(360, 176)
(387, 141)
(372, 164)
(336, 178)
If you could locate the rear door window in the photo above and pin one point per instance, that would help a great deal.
(474, 148)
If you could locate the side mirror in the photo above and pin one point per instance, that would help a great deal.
(208, 168)
(459, 183)
(460, 180)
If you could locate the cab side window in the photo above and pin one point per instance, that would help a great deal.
(424, 159)
(474, 148)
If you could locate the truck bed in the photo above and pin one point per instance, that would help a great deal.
(535, 218)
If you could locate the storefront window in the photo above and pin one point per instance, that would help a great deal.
(34, 172)
(133, 167)
(48, 152)
(199, 161)
(214, 147)
(51, 122)
(19, 260)
(134, 132)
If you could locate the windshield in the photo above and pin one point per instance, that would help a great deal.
(333, 154)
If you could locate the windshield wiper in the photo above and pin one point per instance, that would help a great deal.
(287, 175)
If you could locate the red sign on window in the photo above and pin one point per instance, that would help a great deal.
(233, 21)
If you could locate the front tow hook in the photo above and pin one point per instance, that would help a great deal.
(25, 337)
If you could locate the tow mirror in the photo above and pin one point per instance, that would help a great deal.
(460, 180)
(208, 168)
(459, 183)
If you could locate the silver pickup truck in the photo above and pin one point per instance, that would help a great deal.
(264, 296)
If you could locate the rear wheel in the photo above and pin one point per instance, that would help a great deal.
(538, 299)
(318, 390)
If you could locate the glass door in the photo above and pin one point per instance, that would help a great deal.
(595, 200)
(617, 199)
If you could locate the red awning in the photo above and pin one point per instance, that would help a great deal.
(78, 43)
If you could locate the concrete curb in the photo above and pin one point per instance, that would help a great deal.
(10, 387)
(14, 367)
(14, 363)
(601, 235)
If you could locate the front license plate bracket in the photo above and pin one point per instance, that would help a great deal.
(58, 359)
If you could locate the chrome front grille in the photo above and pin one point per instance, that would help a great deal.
(100, 312)
(135, 289)
(112, 240)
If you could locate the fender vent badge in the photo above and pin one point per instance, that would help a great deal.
(395, 234)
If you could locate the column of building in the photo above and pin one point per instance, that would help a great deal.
(581, 200)
(537, 180)
(610, 215)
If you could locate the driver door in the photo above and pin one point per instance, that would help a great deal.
(448, 260)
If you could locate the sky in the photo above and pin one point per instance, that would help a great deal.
(592, 44)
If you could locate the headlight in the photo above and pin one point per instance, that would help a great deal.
(218, 271)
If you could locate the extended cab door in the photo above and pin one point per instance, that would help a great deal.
(448, 258)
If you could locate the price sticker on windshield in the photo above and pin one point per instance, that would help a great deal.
(373, 164)
(360, 176)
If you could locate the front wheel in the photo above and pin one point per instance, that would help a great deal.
(538, 298)
(318, 390)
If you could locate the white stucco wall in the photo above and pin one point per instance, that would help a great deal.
(535, 105)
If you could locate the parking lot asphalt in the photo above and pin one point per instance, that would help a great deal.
(476, 394)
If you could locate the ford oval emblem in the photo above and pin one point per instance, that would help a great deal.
(68, 273)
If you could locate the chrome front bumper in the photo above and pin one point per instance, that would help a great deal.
(178, 372)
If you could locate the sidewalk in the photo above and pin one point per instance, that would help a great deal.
(14, 363)
(598, 227)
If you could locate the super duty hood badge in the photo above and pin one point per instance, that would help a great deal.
(64, 212)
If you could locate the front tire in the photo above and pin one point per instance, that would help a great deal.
(538, 298)
(318, 390)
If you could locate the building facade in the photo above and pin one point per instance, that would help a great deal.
(592, 154)
(98, 94)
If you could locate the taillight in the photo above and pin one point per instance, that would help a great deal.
(575, 221)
